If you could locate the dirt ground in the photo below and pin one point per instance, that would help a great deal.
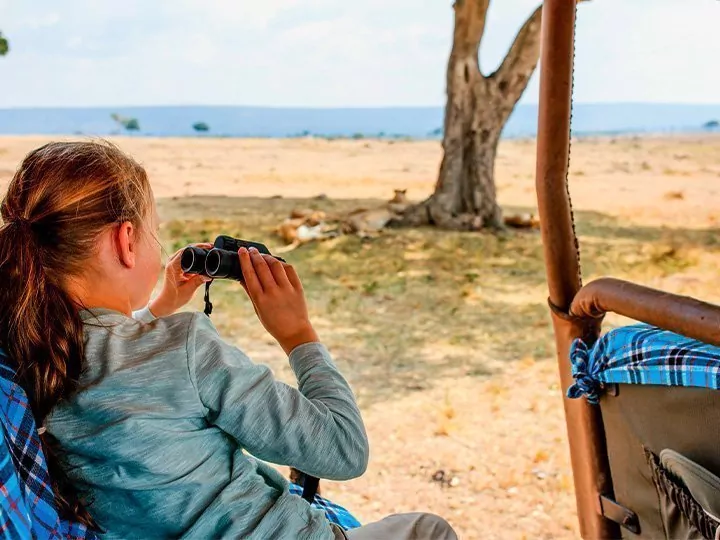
(444, 336)
(656, 181)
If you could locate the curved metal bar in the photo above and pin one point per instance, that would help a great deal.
(680, 314)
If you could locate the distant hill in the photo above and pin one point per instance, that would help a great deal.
(414, 122)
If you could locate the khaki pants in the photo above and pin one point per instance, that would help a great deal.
(416, 526)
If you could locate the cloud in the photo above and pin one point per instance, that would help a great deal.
(330, 53)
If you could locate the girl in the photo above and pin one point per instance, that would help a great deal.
(151, 415)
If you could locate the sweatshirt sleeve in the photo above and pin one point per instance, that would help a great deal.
(316, 428)
(144, 315)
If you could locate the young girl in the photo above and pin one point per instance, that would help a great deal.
(149, 418)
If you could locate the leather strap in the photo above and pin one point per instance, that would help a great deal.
(624, 517)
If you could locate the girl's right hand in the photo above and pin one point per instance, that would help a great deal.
(178, 287)
(277, 296)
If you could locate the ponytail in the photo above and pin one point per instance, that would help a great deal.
(41, 323)
(57, 204)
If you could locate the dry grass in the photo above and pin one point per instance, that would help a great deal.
(444, 336)
(402, 298)
(674, 196)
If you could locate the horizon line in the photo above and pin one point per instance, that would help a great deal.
(338, 107)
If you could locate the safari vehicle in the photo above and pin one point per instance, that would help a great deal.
(645, 432)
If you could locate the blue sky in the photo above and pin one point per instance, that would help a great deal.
(326, 53)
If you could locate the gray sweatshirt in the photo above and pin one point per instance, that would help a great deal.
(160, 433)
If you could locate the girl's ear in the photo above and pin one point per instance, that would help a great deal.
(126, 244)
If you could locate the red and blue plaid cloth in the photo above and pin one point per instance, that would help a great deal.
(27, 504)
(642, 354)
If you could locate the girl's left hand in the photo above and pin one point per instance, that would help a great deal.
(178, 287)
(278, 298)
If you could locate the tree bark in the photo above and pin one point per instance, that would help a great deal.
(477, 109)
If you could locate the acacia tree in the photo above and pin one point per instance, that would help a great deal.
(128, 124)
(477, 108)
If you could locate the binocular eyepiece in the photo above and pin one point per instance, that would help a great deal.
(220, 262)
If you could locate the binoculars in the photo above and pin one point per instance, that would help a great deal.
(220, 262)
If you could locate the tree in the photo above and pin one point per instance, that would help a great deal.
(712, 124)
(201, 127)
(128, 124)
(4, 45)
(477, 108)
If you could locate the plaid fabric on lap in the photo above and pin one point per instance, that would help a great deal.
(642, 354)
(335, 513)
(27, 508)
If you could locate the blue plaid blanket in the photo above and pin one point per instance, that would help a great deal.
(642, 354)
(27, 502)
(27, 507)
(335, 513)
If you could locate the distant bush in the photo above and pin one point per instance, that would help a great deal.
(438, 132)
(201, 127)
(358, 136)
(132, 125)
(712, 124)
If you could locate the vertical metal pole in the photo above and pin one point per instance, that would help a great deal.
(591, 470)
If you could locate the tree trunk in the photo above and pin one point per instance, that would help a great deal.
(476, 111)
(465, 196)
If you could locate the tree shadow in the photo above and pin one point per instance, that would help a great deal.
(601, 225)
(411, 307)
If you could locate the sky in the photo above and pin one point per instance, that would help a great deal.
(332, 53)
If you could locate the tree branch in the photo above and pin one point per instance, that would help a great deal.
(470, 17)
(514, 73)
(518, 66)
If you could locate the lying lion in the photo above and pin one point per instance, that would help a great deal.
(306, 225)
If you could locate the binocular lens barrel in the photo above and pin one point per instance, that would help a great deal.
(193, 259)
(215, 263)
(223, 264)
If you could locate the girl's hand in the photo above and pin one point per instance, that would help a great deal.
(178, 287)
(277, 295)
